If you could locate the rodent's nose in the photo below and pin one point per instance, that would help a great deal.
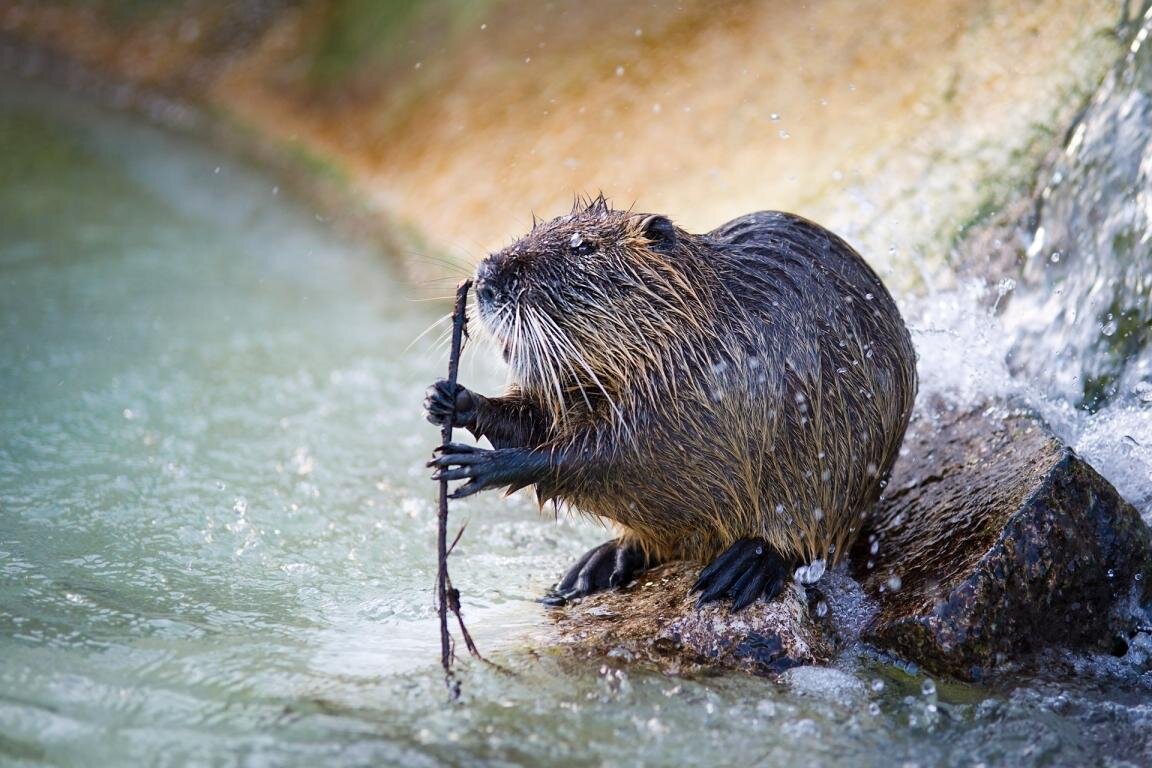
(484, 292)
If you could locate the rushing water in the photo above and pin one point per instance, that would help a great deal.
(216, 532)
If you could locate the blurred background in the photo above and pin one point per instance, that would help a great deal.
(228, 230)
(898, 124)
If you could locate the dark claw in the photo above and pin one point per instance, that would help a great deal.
(746, 571)
(442, 402)
(455, 453)
(469, 488)
(460, 473)
(612, 564)
(748, 588)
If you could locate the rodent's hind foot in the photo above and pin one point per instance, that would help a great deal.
(612, 564)
(749, 569)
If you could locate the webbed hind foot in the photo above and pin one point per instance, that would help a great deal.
(612, 564)
(749, 569)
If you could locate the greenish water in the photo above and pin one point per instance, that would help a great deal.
(217, 534)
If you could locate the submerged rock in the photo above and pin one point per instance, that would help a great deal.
(994, 540)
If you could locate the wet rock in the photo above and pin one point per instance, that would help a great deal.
(996, 539)
(657, 621)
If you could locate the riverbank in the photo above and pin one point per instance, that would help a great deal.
(456, 122)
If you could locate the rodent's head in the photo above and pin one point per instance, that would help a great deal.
(589, 301)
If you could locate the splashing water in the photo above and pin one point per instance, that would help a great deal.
(1082, 327)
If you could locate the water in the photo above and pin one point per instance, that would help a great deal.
(217, 536)
(1088, 271)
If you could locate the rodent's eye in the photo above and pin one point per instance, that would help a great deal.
(581, 246)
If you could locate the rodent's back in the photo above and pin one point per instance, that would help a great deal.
(847, 380)
(787, 423)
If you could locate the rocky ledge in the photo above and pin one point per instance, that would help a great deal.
(994, 541)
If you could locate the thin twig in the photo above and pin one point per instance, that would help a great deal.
(456, 540)
(454, 606)
(442, 580)
(448, 597)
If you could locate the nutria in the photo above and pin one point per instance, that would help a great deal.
(735, 398)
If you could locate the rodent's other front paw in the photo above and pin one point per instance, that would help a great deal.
(443, 401)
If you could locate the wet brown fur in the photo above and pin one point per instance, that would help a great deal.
(753, 381)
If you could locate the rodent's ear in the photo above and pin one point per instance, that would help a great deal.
(660, 230)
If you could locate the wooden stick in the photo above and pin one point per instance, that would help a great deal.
(444, 593)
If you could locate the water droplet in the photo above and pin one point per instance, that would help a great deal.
(810, 574)
(620, 71)
(1109, 327)
(240, 506)
(868, 297)
(1111, 573)
(576, 240)
(656, 727)
(877, 685)
(821, 608)
(1037, 243)
(1055, 257)
(785, 135)
(928, 687)
(774, 117)
(894, 583)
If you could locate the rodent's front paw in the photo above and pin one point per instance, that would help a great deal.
(483, 468)
(443, 401)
